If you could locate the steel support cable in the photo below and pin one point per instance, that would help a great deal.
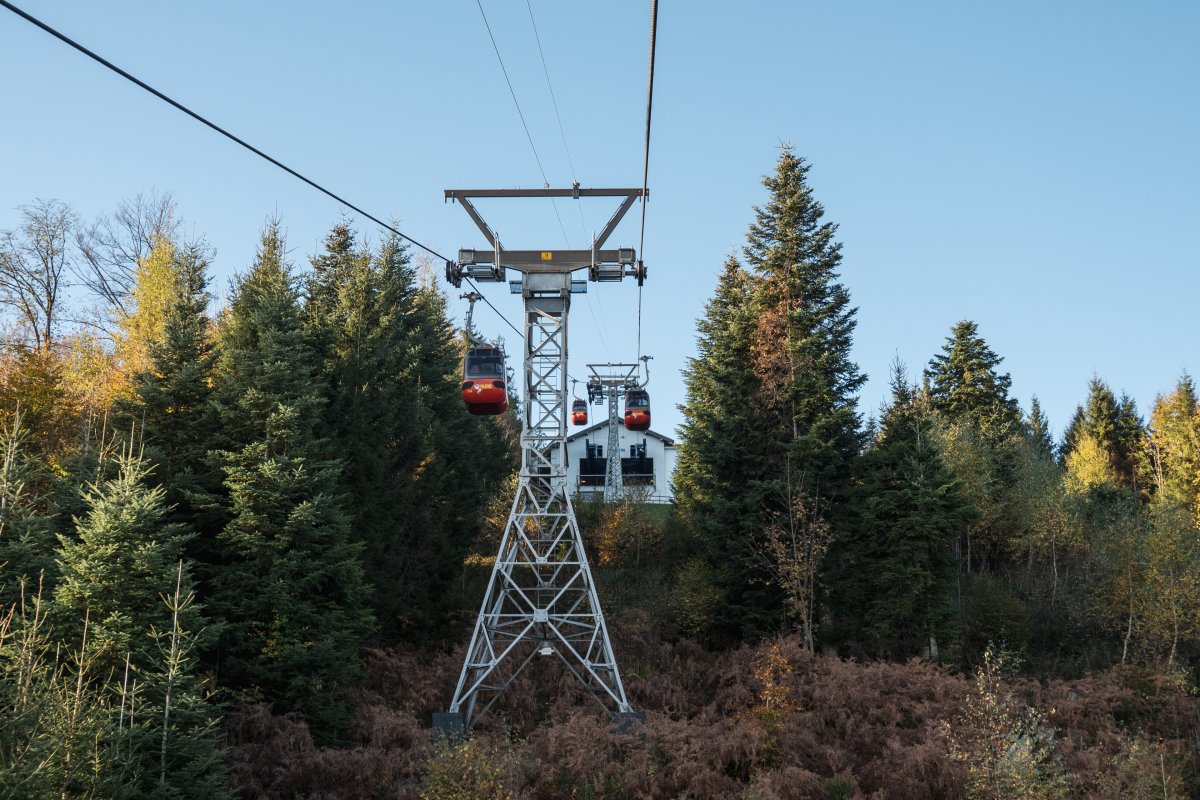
(521, 114)
(554, 100)
(142, 84)
(646, 164)
(601, 328)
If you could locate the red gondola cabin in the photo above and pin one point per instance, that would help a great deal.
(637, 410)
(485, 387)
(579, 412)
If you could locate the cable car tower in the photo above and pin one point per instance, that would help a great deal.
(541, 599)
(610, 382)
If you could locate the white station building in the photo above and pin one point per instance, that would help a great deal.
(647, 462)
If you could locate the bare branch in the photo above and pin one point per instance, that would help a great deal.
(113, 246)
(33, 260)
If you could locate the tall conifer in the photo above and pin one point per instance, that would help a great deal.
(808, 384)
(1038, 427)
(721, 445)
(123, 557)
(911, 511)
(291, 593)
(416, 464)
(1114, 425)
(797, 384)
(124, 575)
(172, 408)
(807, 393)
(466, 458)
(966, 386)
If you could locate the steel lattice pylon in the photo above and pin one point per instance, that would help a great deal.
(609, 382)
(614, 482)
(541, 598)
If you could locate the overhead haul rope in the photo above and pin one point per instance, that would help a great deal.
(105, 62)
(532, 146)
(554, 101)
(521, 114)
(203, 120)
(601, 326)
(646, 165)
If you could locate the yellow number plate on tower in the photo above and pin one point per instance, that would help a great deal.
(547, 255)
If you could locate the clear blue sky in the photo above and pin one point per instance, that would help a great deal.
(1031, 166)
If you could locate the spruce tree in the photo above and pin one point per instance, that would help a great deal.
(720, 450)
(172, 734)
(417, 465)
(1115, 426)
(911, 511)
(122, 558)
(466, 459)
(59, 721)
(290, 592)
(965, 385)
(26, 530)
(360, 311)
(1038, 429)
(982, 440)
(173, 411)
(124, 577)
(808, 385)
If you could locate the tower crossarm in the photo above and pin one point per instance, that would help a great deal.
(488, 263)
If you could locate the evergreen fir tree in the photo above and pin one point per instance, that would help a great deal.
(1038, 428)
(1115, 426)
(808, 385)
(911, 511)
(466, 459)
(174, 737)
(720, 449)
(26, 530)
(121, 560)
(418, 467)
(360, 312)
(1129, 447)
(138, 650)
(965, 385)
(172, 407)
(805, 402)
(981, 439)
(59, 729)
(291, 593)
